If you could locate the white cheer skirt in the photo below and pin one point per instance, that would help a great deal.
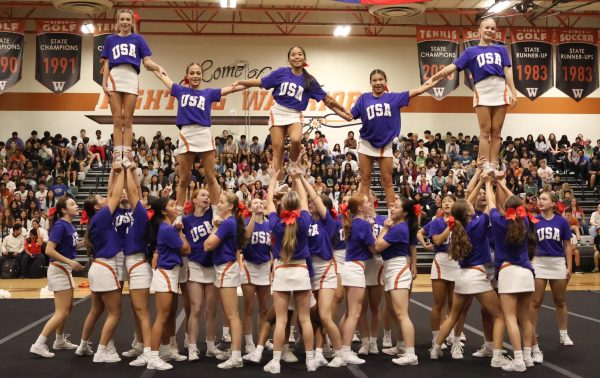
(194, 138)
(397, 273)
(165, 280)
(374, 271)
(201, 274)
(444, 268)
(139, 271)
(491, 91)
(366, 148)
(228, 275)
(353, 274)
(121, 267)
(256, 274)
(515, 279)
(550, 268)
(472, 280)
(103, 275)
(290, 276)
(123, 78)
(183, 271)
(282, 116)
(325, 276)
(60, 277)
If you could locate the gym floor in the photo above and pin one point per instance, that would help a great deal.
(22, 318)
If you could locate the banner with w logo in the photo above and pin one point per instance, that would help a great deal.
(471, 38)
(11, 53)
(437, 48)
(58, 54)
(532, 63)
(577, 62)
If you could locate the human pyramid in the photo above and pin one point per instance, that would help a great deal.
(296, 247)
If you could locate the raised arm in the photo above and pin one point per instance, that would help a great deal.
(165, 79)
(119, 182)
(475, 179)
(380, 244)
(490, 196)
(152, 66)
(422, 89)
(132, 184)
(443, 73)
(271, 191)
(312, 194)
(248, 83)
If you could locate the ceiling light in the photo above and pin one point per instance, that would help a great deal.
(499, 6)
(87, 27)
(228, 3)
(342, 31)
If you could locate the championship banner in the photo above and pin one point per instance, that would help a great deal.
(532, 65)
(577, 62)
(101, 31)
(471, 38)
(11, 53)
(58, 54)
(437, 48)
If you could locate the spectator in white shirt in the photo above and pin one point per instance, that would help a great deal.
(594, 221)
(98, 144)
(545, 172)
(263, 176)
(13, 243)
(421, 147)
(353, 163)
(246, 178)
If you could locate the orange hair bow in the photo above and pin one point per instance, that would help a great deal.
(451, 222)
(289, 217)
(418, 210)
(519, 212)
(344, 209)
(51, 212)
(84, 217)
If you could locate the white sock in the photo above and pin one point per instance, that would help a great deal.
(286, 347)
(153, 354)
(535, 348)
(372, 340)
(310, 354)
(192, 347)
(364, 340)
(410, 351)
(236, 354)
(319, 350)
(497, 353)
(346, 348)
(111, 343)
(60, 337)
(147, 350)
(226, 330)
(561, 332)
(259, 349)
(173, 342)
(210, 345)
(489, 345)
(527, 352)
(248, 339)
(277, 356)
(387, 333)
(83, 343)
(435, 335)
(41, 340)
(456, 340)
(518, 355)
(101, 348)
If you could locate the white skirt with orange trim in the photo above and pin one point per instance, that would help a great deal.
(444, 268)
(200, 273)
(228, 275)
(550, 268)
(283, 116)
(491, 91)
(374, 271)
(256, 274)
(60, 277)
(123, 78)
(472, 280)
(103, 275)
(397, 273)
(366, 148)
(139, 271)
(515, 279)
(290, 276)
(353, 274)
(195, 138)
(184, 271)
(325, 276)
(165, 280)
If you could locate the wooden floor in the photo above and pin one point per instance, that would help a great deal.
(35, 288)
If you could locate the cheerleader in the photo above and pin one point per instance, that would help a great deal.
(339, 254)
(139, 271)
(194, 121)
(324, 281)
(289, 228)
(62, 251)
(470, 247)
(373, 292)
(394, 243)
(553, 247)
(379, 112)
(197, 226)
(513, 238)
(292, 87)
(359, 248)
(226, 238)
(443, 269)
(122, 54)
(104, 282)
(492, 74)
(170, 243)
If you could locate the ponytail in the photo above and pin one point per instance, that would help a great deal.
(515, 231)
(158, 205)
(353, 204)
(412, 220)
(460, 244)
(289, 202)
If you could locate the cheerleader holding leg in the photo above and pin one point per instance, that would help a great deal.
(492, 75)
(62, 251)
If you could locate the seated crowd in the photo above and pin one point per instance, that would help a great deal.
(38, 171)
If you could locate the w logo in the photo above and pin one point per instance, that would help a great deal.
(58, 86)
(438, 92)
(2, 85)
(531, 92)
(577, 93)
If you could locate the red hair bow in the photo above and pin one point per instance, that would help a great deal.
(241, 206)
(84, 217)
(451, 222)
(344, 209)
(520, 212)
(439, 213)
(376, 204)
(136, 18)
(289, 217)
(150, 214)
(561, 207)
(51, 212)
(418, 210)
(188, 208)
(305, 64)
(385, 88)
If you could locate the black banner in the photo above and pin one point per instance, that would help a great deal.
(437, 48)
(471, 38)
(11, 53)
(532, 63)
(577, 62)
(101, 31)
(58, 54)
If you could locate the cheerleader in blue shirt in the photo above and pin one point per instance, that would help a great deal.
(293, 87)
(492, 74)
(123, 53)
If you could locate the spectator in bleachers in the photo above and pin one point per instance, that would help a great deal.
(16, 140)
(581, 165)
(594, 222)
(594, 171)
(98, 145)
(13, 244)
(545, 173)
(575, 209)
(32, 252)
